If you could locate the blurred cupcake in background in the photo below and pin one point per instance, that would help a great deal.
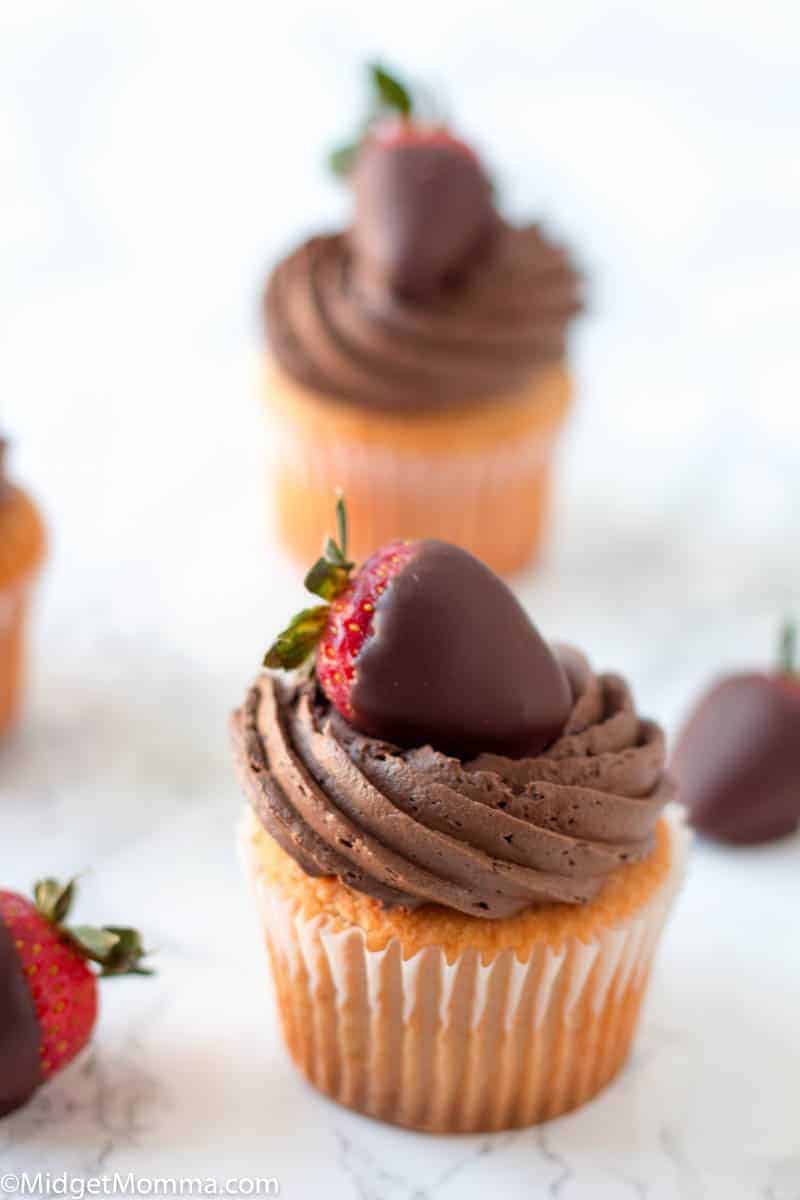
(22, 545)
(417, 360)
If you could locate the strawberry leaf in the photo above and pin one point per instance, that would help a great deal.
(330, 574)
(327, 579)
(298, 640)
(127, 954)
(342, 159)
(115, 948)
(95, 944)
(390, 92)
(333, 554)
(388, 95)
(54, 899)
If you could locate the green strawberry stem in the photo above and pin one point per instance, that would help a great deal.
(328, 578)
(116, 949)
(387, 95)
(787, 655)
(330, 574)
(341, 523)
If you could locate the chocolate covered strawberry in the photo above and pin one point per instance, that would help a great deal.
(737, 758)
(393, 115)
(423, 203)
(424, 644)
(48, 989)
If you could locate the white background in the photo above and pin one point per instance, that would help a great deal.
(154, 159)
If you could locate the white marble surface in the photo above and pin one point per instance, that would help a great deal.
(151, 166)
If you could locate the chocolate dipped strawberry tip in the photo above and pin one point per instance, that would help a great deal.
(424, 644)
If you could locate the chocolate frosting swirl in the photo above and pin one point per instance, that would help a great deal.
(337, 328)
(488, 837)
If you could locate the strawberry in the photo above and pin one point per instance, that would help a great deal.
(394, 118)
(737, 758)
(338, 629)
(350, 622)
(423, 212)
(48, 991)
(424, 644)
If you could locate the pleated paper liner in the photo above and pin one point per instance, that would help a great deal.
(478, 476)
(460, 1043)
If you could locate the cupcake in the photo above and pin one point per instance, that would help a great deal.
(417, 359)
(22, 544)
(457, 842)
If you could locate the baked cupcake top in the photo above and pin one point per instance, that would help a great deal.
(536, 780)
(430, 299)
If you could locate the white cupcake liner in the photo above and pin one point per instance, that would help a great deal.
(458, 1046)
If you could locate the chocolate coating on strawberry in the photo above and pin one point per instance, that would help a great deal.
(737, 758)
(423, 203)
(423, 212)
(20, 1063)
(455, 662)
(426, 645)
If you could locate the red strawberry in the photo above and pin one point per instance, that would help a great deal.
(48, 992)
(424, 644)
(350, 622)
